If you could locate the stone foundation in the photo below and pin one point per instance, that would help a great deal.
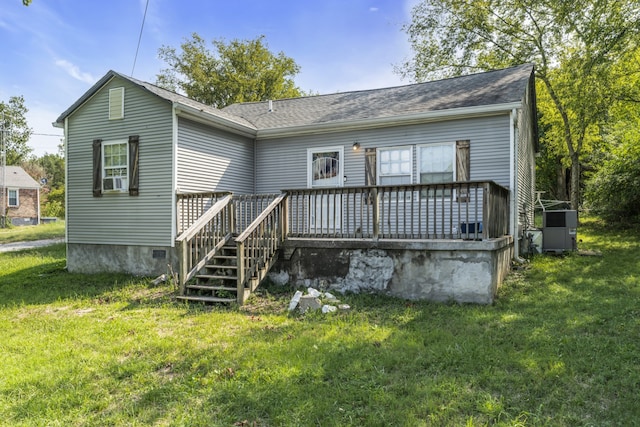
(136, 260)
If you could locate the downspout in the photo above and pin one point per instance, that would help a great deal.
(174, 174)
(514, 185)
(66, 182)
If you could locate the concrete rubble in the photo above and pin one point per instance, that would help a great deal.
(316, 300)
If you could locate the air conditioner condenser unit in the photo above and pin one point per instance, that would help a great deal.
(559, 231)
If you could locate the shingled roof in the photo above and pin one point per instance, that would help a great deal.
(499, 87)
(18, 178)
(164, 94)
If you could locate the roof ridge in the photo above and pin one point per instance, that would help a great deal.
(386, 87)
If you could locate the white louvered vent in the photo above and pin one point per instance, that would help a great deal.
(116, 103)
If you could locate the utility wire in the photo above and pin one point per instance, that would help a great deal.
(144, 17)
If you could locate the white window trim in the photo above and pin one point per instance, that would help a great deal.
(452, 145)
(453, 153)
(124, 188)
(310, 151)
(379, 174)
(17, 204)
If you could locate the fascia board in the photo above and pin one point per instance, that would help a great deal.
(59, 123)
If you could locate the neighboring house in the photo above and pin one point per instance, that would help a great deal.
(435, 176)
(20, 196)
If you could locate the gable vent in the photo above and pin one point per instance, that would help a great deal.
(116, 103)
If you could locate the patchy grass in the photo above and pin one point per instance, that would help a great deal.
(559, 347)
(26, 233)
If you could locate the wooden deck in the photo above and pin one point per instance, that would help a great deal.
(399, 215)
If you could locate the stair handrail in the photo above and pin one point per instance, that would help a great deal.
(259, 242)
(198, 243)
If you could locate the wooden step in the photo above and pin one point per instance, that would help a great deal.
(215, 277)
(212, 288)
(205, 299)
(221, 267)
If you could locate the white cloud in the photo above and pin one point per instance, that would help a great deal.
(373, 9)
(74, 71)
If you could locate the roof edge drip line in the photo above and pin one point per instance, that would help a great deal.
(198, 115)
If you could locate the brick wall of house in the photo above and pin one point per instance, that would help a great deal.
(27, 206)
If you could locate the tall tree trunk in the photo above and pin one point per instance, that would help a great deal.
(575, 181)
(573, 149)
(561, 192)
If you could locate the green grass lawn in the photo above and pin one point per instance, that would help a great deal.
(560, 347)
(32, 232)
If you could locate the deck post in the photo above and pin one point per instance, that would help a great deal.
(375, 213)
(284, 218)
(487, 216)
(232, 216)
(184, 266)
(240, 273)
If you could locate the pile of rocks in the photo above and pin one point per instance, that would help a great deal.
(316, 300)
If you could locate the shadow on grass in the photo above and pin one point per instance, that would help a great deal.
(44, 278)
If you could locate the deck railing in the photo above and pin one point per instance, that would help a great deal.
(191, 206)
(258, 244)
(198, 243)
(461, 210)
(248, 207)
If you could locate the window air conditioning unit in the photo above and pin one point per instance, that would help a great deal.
(559, 230)
(114, 183)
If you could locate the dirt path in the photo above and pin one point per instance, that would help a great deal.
(18, 246)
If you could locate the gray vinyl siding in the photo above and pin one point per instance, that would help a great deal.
(213, 160)
(121, 219)
(283, 162)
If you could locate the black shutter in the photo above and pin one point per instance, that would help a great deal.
(370, 169)
(463, 160)
(97, 168)
(133, 165)
(370, 166)
(463, 167)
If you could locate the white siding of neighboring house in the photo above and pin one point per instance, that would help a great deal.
(282, 162)
(213, 160)
(121, 219)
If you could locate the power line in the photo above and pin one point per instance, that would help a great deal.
(144, 18)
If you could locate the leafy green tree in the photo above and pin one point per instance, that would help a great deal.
(614, 189)
(54, 205)
(238, 71)
(53, 166)
(572, 44)
(14, 130)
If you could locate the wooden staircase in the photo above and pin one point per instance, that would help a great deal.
(217, 281)
(218, 265)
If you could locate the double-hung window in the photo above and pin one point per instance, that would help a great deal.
(394, 165)
(115, 161)
(13, 198)
(436, 164)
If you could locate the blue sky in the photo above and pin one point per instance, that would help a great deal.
(54, 50)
